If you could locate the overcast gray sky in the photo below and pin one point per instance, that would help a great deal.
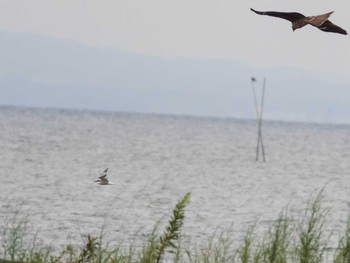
(192, 28)
(308, 68)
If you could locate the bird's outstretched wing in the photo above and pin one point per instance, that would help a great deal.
(104, 180)
(328, 26)
(319, 20)
(104, 174)
(292, 16)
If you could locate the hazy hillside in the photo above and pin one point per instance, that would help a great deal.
(41, 71)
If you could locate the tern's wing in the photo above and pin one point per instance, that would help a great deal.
(104, 174)
(104, 180)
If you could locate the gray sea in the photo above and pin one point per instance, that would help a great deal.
(49, 159)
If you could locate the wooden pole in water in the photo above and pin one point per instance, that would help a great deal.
(255, 100)
(259, 116)
(260, 120)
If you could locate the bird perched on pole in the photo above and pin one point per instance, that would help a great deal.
(299, 20)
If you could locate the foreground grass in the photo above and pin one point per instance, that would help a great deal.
(285, 241)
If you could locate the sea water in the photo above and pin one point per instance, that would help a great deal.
(49, 159)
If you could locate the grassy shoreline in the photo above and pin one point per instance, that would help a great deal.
(286, 240)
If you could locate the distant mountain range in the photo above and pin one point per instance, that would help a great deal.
(43, 71)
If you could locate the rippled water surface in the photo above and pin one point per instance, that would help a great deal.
(50, 158)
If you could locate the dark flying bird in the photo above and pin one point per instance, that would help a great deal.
(299, 20)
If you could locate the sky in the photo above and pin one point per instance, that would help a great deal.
(195, 29)
(191, 28)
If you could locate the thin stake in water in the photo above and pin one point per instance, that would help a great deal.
(259, 116)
